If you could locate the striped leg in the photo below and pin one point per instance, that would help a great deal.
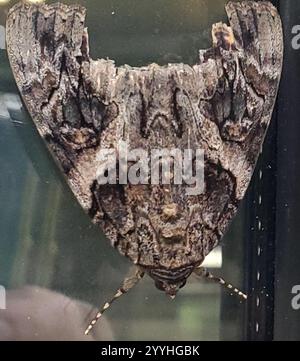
(128, 284)
(203, 272)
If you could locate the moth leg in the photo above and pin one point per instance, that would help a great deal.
(128, 284)
(203, 272)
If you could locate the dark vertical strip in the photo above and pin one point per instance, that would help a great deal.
(260, 243)
(260, 234)
(287, 320)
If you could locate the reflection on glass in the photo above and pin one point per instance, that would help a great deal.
(2, 2)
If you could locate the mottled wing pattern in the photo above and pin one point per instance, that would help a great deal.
(222, 105)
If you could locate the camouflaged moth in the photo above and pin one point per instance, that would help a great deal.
(222, 105)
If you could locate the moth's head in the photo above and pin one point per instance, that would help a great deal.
(170, 280)
(169, 288)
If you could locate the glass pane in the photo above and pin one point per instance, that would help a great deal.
(54, 263)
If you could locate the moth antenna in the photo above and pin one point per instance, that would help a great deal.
(128, 284)
(203, 272)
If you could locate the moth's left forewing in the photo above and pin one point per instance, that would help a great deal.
(43, 43)
(47, 46)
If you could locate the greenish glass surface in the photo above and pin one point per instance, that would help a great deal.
(48, 244)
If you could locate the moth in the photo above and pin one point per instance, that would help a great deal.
(221, 105)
